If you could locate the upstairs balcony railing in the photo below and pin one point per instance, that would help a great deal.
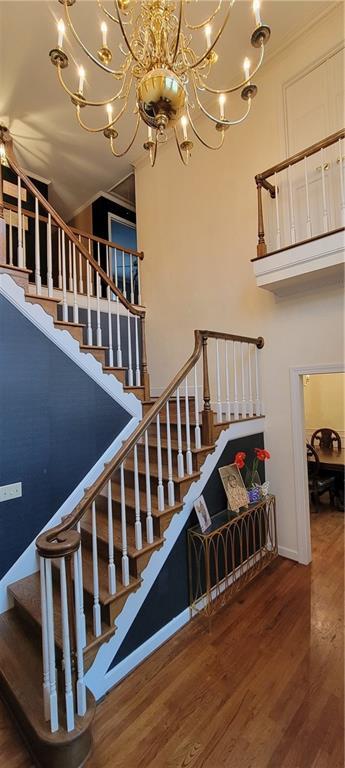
(306, 197)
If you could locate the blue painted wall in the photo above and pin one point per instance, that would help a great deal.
(169, 595)
(55, 422)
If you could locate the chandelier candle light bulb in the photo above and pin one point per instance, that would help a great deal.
(61, 32)
(256, 9)
(81, 73)
(222, 99)
(246, 67)
(184, 122)
(109, 109)
(104, 30)
(208, 30)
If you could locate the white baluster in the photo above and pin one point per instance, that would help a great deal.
(75, 295)
(236, 403)
(244, 402)
(125, 562)
(24, 240)
(89, 326)
(137, 353)
(180, 462)
(66, 648)
(171, 487)
(197, 430)
(82, 621)
(91, 285)
(116, 278)
(307, 197)
(129, 333)
(276, 199)
(10, 238)
(341, 181)
(54, 719)
(81, 689)
(97, 627)
(160, 489)
(131, 276)
(137, 525)
(324, 198)
(124, 275)
(292, 211)
(149, 521)
(38, 281)
(110, 319)
(118, 320)
(111, 564)
(64, 288)
(227, 384)
(45, 654)
(81, 283)
(219, 402)
(59, 260)
(139, 279)
(98, 295)
(250, 396)
(20, 252)
(70, 271)
(257, 390)
(50, 284)
(189, 460)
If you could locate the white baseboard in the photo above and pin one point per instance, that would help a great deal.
(292, 554)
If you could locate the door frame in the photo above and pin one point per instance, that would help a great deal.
(298, 452)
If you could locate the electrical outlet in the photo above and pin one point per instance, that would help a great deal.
(12, 491)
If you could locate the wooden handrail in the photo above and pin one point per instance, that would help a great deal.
(67, 230)
(86, 235)
(56, 542)
(300, 156)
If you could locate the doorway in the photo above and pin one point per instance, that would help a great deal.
(297, 389)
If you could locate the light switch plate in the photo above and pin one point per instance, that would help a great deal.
(12, 491)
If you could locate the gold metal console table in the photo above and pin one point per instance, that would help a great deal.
(230, 553)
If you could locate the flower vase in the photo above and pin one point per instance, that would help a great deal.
(253, 486)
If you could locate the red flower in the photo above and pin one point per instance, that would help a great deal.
(239, 459)
(262, 454)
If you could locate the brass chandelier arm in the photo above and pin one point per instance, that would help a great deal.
(197, 134)
(86, 102)
(124, 33)
(108, 125)
(218, 91)
(107, 13)
(178, 33)
(207, 21)
(116, 73)
(215, 41)
(217, 120)
(153, 154)
(121, 154)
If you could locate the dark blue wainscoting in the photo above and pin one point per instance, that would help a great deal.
(169, 595)
(55, 422)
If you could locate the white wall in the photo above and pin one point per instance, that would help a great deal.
(197, 226)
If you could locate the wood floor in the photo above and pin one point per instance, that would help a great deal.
(263, 690)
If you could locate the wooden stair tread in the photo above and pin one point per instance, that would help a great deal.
(68, 323)
(130, 501)
(38, 298)
(129, 465)
(102, 533)
(24, 682)
(174, 445)
(113, 369)
(89, 347)
(12, 267)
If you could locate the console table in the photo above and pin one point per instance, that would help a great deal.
(230, 553)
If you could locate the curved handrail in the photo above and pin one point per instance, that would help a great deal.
(55, 542)
(10, 156)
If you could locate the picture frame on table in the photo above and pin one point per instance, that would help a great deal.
(202, 513)
(235, 489)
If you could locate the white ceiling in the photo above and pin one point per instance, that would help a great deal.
(47, 138)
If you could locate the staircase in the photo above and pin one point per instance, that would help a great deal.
(96, 558)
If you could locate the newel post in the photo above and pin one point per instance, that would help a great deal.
(145, 374)
(261, 246)
(207, 414)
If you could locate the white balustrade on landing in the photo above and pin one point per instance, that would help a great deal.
(110, 317)
(341, 167)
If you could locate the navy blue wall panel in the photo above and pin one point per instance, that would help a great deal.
(169, 595)
(55, 422)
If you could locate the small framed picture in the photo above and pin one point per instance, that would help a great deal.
(234, 487)
(202, 513)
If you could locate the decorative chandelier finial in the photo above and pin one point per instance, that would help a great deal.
(161, 68)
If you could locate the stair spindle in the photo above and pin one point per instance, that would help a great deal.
(180, 461)
(69, 704)
(309, 234)
(243, 402)
(324, 197)
(59, 261)
(111, 564)
(10, 247)
(292, 211)
(149, 521)
(82, 621)
(45, 653)
(189, 460)
(227, 384)
(257, 385)
(53, 705)
(98, 298)
(171, 487)
(110, 319)
(38, 281)
(250, 393)
(50, 284)
(24, 240)
(236, 403)
(70, 269)
(124, 275)
(20, 252)
(81, 283)
(137, 524)
(131, 277)
(64, 284)
(129, 339)
(81, 689)
(197, 431)
(118, 321)
(160, 489)
(88, 298)
(75, 285)
(125, 562)
(137, 355)
(219, 402)
(276, 200)
(139, 279)
(97, 628)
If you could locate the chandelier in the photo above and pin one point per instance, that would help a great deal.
(160, 70)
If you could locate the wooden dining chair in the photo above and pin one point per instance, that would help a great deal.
(318, 484)
(326, 438)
